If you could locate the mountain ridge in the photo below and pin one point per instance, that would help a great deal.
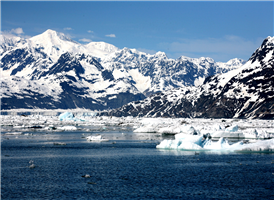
(246, 92)
(98, 75)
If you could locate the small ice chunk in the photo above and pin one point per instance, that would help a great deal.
(32, 166)
(67, 128)
(96, 138)
(13, 133)
(86, 176)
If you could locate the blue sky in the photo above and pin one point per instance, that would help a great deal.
(217, 29)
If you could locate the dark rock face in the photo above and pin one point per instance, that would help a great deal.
(107, 75)
(16, 57)
(65, 63)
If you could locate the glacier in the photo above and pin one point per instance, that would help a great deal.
(229, 135)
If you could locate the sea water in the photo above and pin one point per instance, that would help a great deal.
(128, 166)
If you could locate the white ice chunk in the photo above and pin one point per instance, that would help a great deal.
(221, 144)
(151, 128)
(66, 116)
(194, 142)
(67, 128)
(251, 134)
(176, 129)
(228, 134)
(13, 133)
(234, 128)
(98, 138)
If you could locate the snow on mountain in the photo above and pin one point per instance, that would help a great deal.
(73, 81)
(8, 42)
(55, 44)
(52, 71)
(100, 49)
(245, 92)
(155, 73)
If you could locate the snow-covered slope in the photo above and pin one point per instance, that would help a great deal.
(155, 73)
(52, 71)
(55, 44)
(73, 81)
(246, 92)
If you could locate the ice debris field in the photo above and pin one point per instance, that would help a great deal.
(189, 134)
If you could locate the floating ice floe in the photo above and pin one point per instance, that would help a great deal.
(197, 142)
(13, 133)
(32, 164)
(86, 176)
(97, 138)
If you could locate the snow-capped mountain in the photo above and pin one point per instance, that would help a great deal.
(246, 92)
(155, 73)
(51, 70)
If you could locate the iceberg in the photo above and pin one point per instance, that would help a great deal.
(14, 133)
(68, 116)
(195, 142)
(187, 129)
(67, 128)
(97, 138)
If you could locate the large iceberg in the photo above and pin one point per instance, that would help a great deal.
(68, 116)
(197, 142)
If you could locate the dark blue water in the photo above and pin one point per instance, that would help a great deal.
(127, 168)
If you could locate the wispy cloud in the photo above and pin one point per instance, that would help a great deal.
(220, 49)
(17, 31)
(89, 31)
(14, 32)
(111, 35)
(68, 29)
(147, 51)
(85, 40)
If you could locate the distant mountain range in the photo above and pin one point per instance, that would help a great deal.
(52, 71)
(246, 92)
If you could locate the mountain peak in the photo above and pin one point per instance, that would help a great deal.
(103, 46)
(270, 39)
(161, 54)
(265, 51)
(51, 36)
